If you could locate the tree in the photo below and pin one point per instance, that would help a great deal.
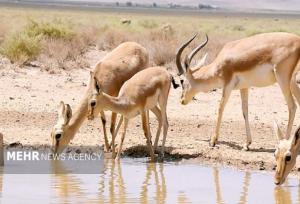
(129, 3)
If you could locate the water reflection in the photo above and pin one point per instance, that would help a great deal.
(133, 181)
(282, 195)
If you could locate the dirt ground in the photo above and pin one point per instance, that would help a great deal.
(30, 97)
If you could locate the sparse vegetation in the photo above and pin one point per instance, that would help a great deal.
(59, 39)
(20, 47)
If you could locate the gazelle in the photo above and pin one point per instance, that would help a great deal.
(285, 154)
(146, 90)
(111, 72)
(260, 60)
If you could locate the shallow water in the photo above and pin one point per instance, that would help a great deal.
(136, 181)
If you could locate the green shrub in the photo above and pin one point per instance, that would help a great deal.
(25, 45)
(51, 30)
(20, 47)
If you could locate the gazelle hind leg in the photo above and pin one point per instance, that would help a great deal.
(244, 97)
(125, 124)
(225, 96)
(157, 113)
(283, 78)
(145, 122)
(163, 100)
(103, 120)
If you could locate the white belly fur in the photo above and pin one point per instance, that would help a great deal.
(260, 76)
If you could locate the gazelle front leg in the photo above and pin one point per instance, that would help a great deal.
(244, 97)
(113, 123)
(225, 96)
(112, 126)
(103, 120)
(114, 136)
(158, 115)
(145, 121)
(283, 80)
(125, 124)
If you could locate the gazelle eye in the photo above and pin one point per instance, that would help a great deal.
(288, 158)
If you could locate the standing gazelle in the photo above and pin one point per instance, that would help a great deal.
(112, 71)
(146, 90)
(260, 60)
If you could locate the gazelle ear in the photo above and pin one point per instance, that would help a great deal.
(61, 108)
(277, 131)
(97, 85)
(296, 136)
(202, 62)
(67, 113)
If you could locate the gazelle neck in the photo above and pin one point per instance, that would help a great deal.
(206, 78)
(116, 104)
(78, 117)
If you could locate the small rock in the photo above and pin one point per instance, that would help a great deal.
(78, 151)
(83, 84)
(11, 98)
(17, 121)
(262, 166)
(15, 144)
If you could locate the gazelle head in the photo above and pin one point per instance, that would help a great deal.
(93, 106)
(189, 85)
(60, 134)
(285, 154)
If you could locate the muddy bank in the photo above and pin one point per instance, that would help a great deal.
(29, 100)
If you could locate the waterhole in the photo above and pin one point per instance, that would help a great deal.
(137, 181)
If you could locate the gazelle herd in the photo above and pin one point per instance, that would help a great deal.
(123, 83)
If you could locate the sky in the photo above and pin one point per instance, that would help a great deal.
(292, 5)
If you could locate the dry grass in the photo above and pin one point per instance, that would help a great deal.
(62, 37)
(54, 44)
(3, 31)
(112, 38)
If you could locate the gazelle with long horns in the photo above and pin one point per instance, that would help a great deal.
(111, 72)
(146, 90)
(260, 60)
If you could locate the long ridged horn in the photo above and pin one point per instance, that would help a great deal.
(189, 58)
(178, 55)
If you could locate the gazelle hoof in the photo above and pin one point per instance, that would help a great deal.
(212, 144)
(246, 147)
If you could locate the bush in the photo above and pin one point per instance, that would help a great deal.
(51, 30)
(149, 24)
(112, 38)
(20, 47)
(25, 45)
(162, 53)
